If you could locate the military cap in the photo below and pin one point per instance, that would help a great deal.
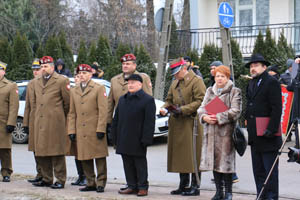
(135, 77)
(3, 65)
(128, 57)
(176, 65)
(36, 64)
(46, 60)
(83, 67)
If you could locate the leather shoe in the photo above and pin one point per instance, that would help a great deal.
(142, 193)
(34, 180)
(81, 181)
(6, 179)
(42, 184)
(128, 191)
(100, 189)
(194, 191)
(178, 191)
(87, 189)
(124, 188)
(57, 185)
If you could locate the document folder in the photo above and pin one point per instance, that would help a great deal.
(215, 106)
(262, 124)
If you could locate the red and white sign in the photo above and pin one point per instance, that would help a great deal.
(287, 101)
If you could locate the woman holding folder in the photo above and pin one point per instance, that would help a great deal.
(218, 113)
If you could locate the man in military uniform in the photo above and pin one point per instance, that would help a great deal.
(52, 99)
(119, 84)
(87, 125)
(28, 120)
(184, 98)
(9, 101)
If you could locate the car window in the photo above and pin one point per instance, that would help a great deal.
(22, 93)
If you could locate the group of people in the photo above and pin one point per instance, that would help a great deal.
(61, 120)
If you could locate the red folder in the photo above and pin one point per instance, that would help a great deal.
(216, 106)
(262, 124)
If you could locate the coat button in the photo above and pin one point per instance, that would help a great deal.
(251, 116)
(250, 104)
(82, 103)
(82, 113)
(83, 124)
(42, 104)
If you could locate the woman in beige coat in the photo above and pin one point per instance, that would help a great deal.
(218, 152)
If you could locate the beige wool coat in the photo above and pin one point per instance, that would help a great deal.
(180, 138)
(9, 101)
(28, 120)
(52, 106)
(119, 87)
(218, 152)
(88, 115)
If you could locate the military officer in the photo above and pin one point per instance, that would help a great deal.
(184, 98)
(87, 125)
(9, 101)
(52, 99)
(119, 83)
(28, 119)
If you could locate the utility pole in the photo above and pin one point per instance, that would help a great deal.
(163, 50)
(226, 45)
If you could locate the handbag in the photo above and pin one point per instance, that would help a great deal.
(238, 137)
(239, 140)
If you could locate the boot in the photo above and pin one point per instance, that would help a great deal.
(228, 186)
(219, 186)
(183, 184)
(194, 189)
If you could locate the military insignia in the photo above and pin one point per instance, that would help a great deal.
(150, 84)
(68, 87)
(105, 94)
(17, 91)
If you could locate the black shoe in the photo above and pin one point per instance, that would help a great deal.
(57, 185)
(6, 179)
(100, 189)
(87, 189)
(81, 181)
(35, 180)
(178, 191)
(194, 191)
(42, 184)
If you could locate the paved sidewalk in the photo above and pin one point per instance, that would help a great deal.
(19, 188)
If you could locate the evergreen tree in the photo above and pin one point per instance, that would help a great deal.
(193, 54)
(20, 68)
(82, 53)
(52, 48)
(237, 59)
(210, 53)
(285, 51)
(67, 54)
(103, 52)
(123, 49)
(174, 42)
(40, 51)
(271, 52)
(5, 50)
(259, 46)
(145, 64)
(92, 56)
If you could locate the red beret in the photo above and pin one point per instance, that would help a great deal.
(46, 59)
(128, 57)
(83, 67)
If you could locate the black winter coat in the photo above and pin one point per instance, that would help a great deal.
(265, 101)
(133, 124)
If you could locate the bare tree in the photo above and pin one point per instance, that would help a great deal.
(185, 26)
(150, 29)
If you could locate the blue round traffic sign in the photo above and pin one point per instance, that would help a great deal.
(226, 15)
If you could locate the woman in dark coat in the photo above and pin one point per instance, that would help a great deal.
(218, 152)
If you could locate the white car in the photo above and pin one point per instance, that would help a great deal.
(161, 123)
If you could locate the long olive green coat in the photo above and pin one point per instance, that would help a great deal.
(88, 115)
(52, 106)
(218, 152)
(28, 120)
(119, 87)
(9, 101)
(180, 139)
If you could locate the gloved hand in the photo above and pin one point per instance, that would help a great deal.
(10, 128)
(100, 135)
(26, 130)
(268, 134)
(108, 128)
(177, 110)
(72, 137)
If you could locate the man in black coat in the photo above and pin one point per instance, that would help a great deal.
(263, 100)
(132, 128)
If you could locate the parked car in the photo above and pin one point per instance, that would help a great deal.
(18, 136)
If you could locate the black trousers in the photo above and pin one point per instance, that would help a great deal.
(79, 167)
(262, 163)
(136, 171)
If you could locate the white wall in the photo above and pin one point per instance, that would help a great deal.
(281, 11)
(207, 13)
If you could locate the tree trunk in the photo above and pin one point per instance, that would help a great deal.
(151, 29)
(186, 26)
